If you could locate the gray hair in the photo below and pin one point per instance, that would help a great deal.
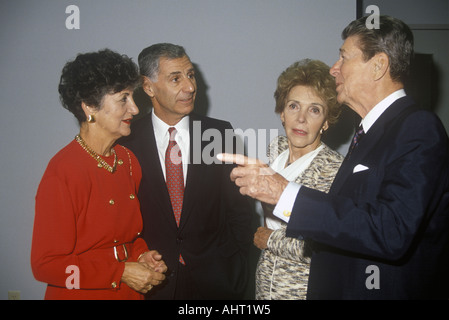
(393, 37)
(149, 58)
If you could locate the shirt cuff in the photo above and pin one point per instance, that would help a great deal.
(284, 207)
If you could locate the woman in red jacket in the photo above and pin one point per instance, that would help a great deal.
(86, 242)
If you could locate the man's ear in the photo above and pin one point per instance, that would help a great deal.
(381, 65)
(147, 86)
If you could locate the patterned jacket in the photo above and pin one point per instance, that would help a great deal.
(283, 269)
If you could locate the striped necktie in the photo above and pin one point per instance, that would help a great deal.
(359, 133)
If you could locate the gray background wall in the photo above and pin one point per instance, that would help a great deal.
(429, 21)
(238, 47)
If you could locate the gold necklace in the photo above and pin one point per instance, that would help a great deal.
(101, 162)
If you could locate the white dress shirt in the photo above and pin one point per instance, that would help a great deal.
(290, 173)
(182, 138)
(295, 168)
(285, 204)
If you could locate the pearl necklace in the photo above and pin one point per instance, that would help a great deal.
(101, 162)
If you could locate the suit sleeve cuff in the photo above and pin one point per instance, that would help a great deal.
(284, 207)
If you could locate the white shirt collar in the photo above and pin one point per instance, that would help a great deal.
(161, 129)
(379, 108)
(182, 138)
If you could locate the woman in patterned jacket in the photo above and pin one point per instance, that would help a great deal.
(306, 101)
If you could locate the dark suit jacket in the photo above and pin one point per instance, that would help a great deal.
(214, 234)
(393, 216)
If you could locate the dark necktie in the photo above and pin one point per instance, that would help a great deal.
(359, 133)
(174, 177)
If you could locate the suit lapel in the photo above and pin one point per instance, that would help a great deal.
(375, 133)
(194, 172)
(152, 171)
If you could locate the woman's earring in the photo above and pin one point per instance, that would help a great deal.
(90, 118)
(321, 131)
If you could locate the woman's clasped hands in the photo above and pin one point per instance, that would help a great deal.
(147, 272)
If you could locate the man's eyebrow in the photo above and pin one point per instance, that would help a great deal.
(180, 72)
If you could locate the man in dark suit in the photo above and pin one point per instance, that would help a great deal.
(382, 231)
(198, 222)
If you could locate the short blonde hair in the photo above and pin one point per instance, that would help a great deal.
(314, 74)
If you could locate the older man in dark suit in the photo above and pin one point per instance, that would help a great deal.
(192, 213)
(382, 231)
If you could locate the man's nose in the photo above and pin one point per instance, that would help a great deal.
(335, 69)
(189, 85)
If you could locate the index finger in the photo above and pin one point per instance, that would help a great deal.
(238, 159)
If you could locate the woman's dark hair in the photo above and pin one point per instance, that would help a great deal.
(90, 76)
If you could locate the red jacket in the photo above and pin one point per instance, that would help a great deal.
(82, 213)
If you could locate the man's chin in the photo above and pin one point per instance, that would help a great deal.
(186, 108)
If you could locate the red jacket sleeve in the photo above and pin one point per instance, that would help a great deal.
(54, 239)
